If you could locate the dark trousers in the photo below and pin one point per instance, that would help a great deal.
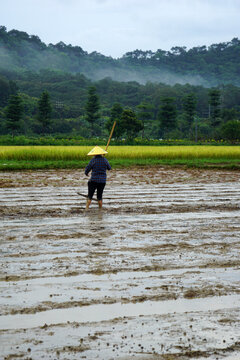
(92, 186)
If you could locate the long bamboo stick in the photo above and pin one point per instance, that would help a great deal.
(110, 136)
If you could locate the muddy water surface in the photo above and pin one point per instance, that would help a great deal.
(155, 274)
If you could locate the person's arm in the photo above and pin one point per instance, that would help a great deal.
(108, 165)
(89, 167)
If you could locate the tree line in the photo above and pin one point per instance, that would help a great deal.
(209, 66)
(44, 90)
(144, 119)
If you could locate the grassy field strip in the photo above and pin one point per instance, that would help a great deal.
(60, 153)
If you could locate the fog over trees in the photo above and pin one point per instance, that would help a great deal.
(208, 66)
(166, 91)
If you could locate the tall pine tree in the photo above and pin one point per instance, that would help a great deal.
(144, 113)
(215, 102)
(14, 113)
(92, 107)
(167, 115)
(189, 107)
(115, 115)
(130, 123)
(44, 111)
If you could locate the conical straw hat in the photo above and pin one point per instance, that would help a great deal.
(97, 151)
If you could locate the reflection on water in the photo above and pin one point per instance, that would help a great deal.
(102, 312)
(95, 219)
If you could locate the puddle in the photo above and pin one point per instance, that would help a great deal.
(97, 313)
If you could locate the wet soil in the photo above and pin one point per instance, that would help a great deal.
(154, 275)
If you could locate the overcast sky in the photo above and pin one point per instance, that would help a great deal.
(113, 27)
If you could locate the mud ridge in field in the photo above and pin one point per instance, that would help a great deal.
(165, 236)
(13, 212)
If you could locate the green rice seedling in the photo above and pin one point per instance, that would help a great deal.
(174, 152)
(41, 157)
(54, 153)
(43, 153)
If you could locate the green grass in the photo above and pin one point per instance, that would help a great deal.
(121, 163)
(60, 157)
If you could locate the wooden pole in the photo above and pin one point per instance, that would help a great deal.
(86, 196)
(110, 136)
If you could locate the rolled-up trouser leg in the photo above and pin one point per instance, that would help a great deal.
(100, 188)
(92, 185)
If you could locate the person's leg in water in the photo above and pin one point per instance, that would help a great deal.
(91, 190)
(88, 203)
(100, 188)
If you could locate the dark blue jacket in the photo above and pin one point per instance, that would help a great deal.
(99, 165)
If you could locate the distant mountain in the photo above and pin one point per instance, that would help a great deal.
(206, 66)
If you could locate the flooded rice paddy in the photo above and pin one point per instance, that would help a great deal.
(154, 275)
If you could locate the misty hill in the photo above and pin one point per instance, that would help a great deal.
(206, 66)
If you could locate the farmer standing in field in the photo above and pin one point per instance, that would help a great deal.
(99, 166)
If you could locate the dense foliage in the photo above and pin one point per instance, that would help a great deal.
(64, 90)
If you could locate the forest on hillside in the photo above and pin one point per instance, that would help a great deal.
(208, 66)
(55, 89)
